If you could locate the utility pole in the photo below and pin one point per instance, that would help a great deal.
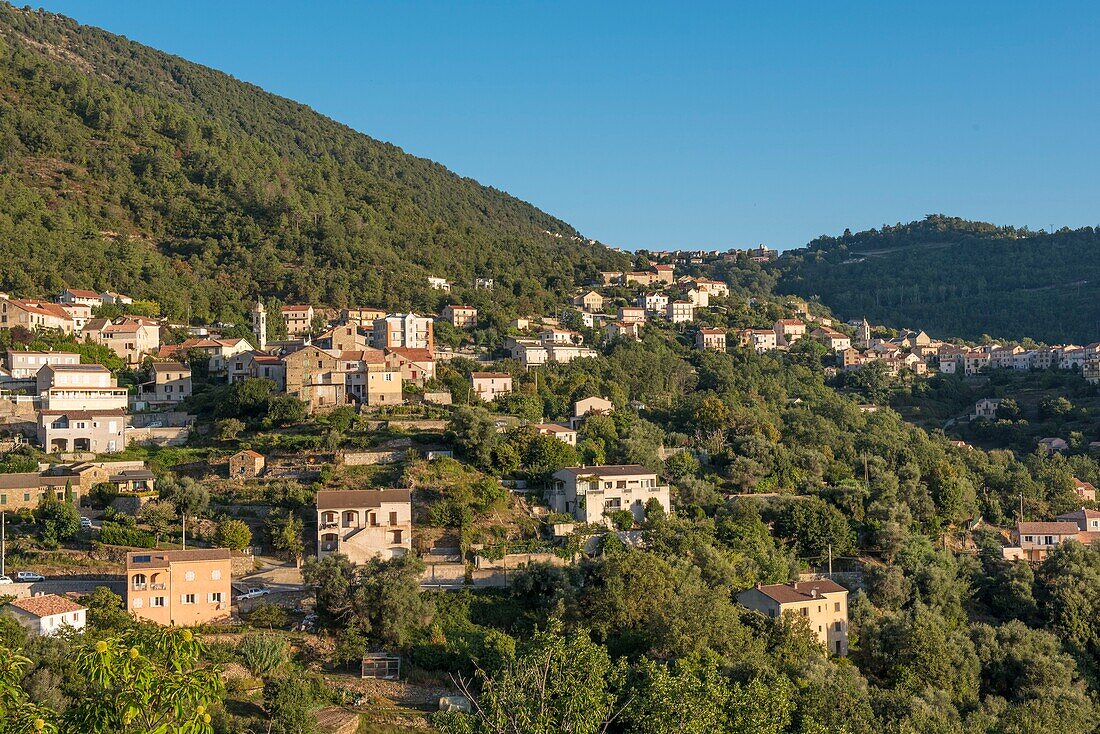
(3, 540)
(185, 531)
(830, 561)
(1021, 506)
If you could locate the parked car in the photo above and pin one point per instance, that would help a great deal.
(85, 523)
(253, 594)
(25, 577)
(5, 580)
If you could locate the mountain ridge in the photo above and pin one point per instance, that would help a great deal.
(235, 186)
(957, 278)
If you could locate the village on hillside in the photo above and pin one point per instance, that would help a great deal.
(76, 433)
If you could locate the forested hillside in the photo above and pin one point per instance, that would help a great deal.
(957, 278)
(125, 168)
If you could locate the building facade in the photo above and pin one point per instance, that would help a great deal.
(364, 523)
(180, 587)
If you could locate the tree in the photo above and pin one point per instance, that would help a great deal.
(189, 497)
(284, 533)
(159, 515)
(380, 598)
(148, 679)
(57, 520)
(228, 429)
(290, 702)
(546, 455)
(475, 434)
(286, 410)
(558, 682)
(689, 696)
(233, 534)
(106, 610)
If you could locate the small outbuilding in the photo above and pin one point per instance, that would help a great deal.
(246, 464)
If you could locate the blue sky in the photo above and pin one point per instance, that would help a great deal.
(691, 124)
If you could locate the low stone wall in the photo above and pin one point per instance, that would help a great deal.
(417, 425)
(369, 458)
(515, 560)
(159, 436)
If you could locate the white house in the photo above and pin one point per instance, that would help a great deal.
(48, 614)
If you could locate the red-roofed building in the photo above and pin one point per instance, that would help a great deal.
(822, 603)
(415, 365)
(462, 317)
(32, 315)
(76, 295)
(298, 319)
(48, 614)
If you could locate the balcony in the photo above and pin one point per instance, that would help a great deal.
(139, 587)
(158, 587)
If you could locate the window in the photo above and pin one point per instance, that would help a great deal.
(1028, 539)
(805, 611)
(1049, 540)
(138, 603)
(156, 601)
(215, 597)
(189, 576)
(216, 574)
(393, 518)
(188, 598)
(836, 607)
(839, 626)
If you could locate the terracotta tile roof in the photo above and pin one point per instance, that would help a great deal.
(296, 308)
(1088, 538)
(41, 307)
(335, 499)
(161, 559)
(47, 605)
(80, 293)
(1048, 528)
(413, 355)
(488, 375)
(1077, 483)
(800, 591)
(250, 453)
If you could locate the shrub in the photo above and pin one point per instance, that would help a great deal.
(262, 653)
(112, 534)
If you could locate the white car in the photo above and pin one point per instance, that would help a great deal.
(253, 594)
(85, 523)
(5, 580)
(24, 577)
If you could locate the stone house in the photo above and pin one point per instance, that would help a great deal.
(246, 464)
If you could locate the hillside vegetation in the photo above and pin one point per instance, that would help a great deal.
(957, 278)
(125, 168)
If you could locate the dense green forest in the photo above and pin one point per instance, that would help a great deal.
(128, 169)
(957, 278)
